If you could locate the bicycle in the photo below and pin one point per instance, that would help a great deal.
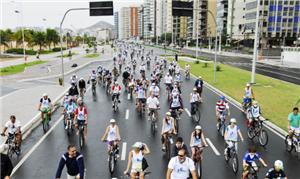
(176, 115)
(168, 142)
(69, 118)
(140, 106)
(81, 137)
(115, 103)
(195, 113)
(137, 176)
(187, 75)
(153, 121)
(253, 172)
(94, 87)
(256, 130)
(112, 159)
(292, 141)
(45, 120)
(198, 160)
(12, 146)
(222, 125)
(232, 154)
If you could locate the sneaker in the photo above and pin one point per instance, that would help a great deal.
(66, 127)
(117, 156)
(163, 148)
(77, 132)
(113, 106)
(149, 119)
(119, 101)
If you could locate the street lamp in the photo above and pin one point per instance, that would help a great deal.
(23, 38)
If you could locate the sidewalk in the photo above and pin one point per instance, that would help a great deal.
(212, 51)
(31, 58)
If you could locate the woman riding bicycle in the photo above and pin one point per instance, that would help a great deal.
(197, 140)
(135, 160)
(168, 128)
(112, 136)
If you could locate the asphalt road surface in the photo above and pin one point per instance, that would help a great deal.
(43, 159)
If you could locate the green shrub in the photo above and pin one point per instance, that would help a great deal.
(205, 65)
(218, 68)
(57, 49)
(20, 51)
(197, 62)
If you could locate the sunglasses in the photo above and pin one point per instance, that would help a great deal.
(181, 156)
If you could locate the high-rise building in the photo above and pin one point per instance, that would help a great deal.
(199, 18)
(211, 18)
(222, 13)
(116, 26)
(277, 20)
(124, 26)
(134, 22)
(141, 21)
(149, 23)
(236, 19)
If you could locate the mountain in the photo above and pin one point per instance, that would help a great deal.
(97, 26)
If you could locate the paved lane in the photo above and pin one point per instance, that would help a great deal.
(44, 160)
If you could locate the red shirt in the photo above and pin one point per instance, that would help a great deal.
(83, 111)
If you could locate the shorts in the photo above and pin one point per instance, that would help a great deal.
(73, 177)
(296, 130)
(142, 100)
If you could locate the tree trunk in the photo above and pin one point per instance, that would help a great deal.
(40, 47)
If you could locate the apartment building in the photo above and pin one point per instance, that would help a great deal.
(116, 26)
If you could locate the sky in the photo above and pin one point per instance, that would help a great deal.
(49, 13)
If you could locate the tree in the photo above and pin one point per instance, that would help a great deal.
(168, 37)
(18, 36)
(39, 38)
(51, 37)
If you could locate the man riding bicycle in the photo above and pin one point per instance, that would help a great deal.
(168, 128)
(141, 95)
(179, 144)
(277, 171)
(153, 105)
(255, 113)
(112, 136)
(93, 77)
(249, 161)
(195, 99)
(13, 127)
(116, 91)
(82, 87)
(69, 110)
(294, 122)
(81, 117)
(154, 89)
(176, 105)
(222, 108)
(249, 95)
(199, 85)
(45, 105)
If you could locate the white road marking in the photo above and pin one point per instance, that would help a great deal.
(49, 69)
(213, 147)
(127, 114)
(128, 96)
(36, 145)
(188, 112)
(123, 154)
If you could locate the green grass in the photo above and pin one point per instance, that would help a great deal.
(18, 68)
(276, 98)
(92, 55)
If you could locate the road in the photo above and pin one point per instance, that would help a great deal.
(282, 73)
(41, 161)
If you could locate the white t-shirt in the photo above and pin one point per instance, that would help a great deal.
(168, 79)
(232, 133)
(152, 102)
(181, 170)
(12, 127)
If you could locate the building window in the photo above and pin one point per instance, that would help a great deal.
(266, 2)
(286, 2)
(291, 2)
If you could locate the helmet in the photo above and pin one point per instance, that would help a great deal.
(168, 113)
(200, 77)
(116, 83)
(194, 89)
(222, 97)
(137, 145)
(81, 78)
(278, 165)
(153, 84)
(67, 94)
(248, 84)
(45, 94)
(198, 127)
(112, 121)
(254, 103)
(80, 102)
(233, 120)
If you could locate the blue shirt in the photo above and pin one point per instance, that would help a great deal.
(249, 159)
(74, 165)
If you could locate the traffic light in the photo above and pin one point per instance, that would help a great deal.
(103, 8)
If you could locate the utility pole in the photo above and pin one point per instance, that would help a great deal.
(256, 41)
(197, 35)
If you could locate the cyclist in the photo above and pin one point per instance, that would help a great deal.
(13, 126)
(232, 132)
(135, 160)
(179, 144)
(74, 162)
(73, 91)
(154, 89)
(65, 100)
(126, 78)
(277, 171)
(45, 105)
(254, 113)
(112, 136)
(222, 108)
(195, 99)
(115, 72)
(176, 104)
(134, 65)
(294, 121)
(168, 82)
(6, 164)
(69, 110)
(81, 117)
(153, 105)
(82, 87)
(187, 69)
(178, 79)
(176, 90)
(197, 140)
(141, 95)
(249, 95)
(199, 85)
(116, 91)
(249, 160)
(171, 69)
(73, 79)
(181, 166)
(93, 77)
(168, 128)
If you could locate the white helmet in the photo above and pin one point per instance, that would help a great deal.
(112, 121)
(278, 165)
(153, 84)
(233, 120)
(137, 145)
(45, 94)
(248, 84)
(198, 127)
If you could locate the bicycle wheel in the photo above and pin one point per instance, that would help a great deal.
(111, 163)
(222, 129)
(199, 169)
(177, 125)
(263, 137)
(288, 143)
(81, 139)
(235, 163)
(168, 149)
(250, 132)
(45, 124)
(153, 130)
(197, 116)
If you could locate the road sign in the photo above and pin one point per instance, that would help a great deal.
(103, 8)
(180, 8)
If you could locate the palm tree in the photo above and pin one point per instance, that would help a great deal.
(3, 39)
(51, 37)
(39, 38)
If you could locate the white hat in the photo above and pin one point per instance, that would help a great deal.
(233, 120)
(248, 84)
(137, 145)
(45, 94)
(112, 121)
(198, 127)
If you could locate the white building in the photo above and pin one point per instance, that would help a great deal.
(124, 24)
(235, 19)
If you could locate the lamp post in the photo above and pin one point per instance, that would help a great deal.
(23, 36)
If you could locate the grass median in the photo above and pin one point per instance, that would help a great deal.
(92, 55)
(10, 70)
(276, 98)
